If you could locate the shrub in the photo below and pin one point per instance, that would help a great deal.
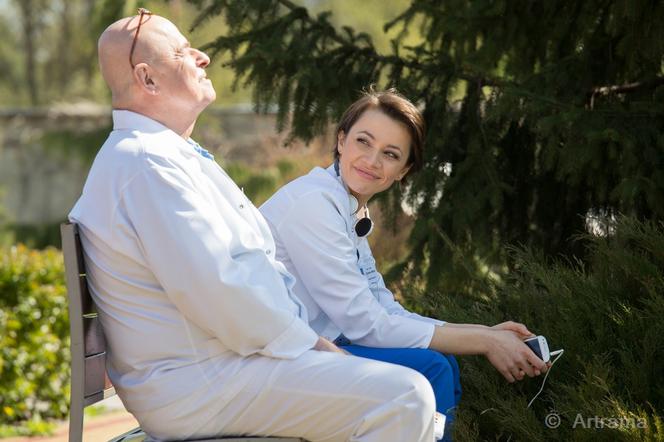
(607, 315)
(34, 330)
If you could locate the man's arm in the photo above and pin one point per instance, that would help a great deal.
(211, 265)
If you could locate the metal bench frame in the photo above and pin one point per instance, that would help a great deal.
(89, 381)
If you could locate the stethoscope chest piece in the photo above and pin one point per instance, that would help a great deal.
(363, 227)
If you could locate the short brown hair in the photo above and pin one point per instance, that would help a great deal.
(395, 106)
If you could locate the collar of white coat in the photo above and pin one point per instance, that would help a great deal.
(352, 201)
(129, 120)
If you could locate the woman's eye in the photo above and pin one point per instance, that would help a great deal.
(363, 141)
(392, 155)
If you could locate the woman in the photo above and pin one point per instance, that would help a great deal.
(320, 222)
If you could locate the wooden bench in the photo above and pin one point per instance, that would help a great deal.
(89, 382)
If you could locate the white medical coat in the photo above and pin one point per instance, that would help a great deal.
(183, 270)
(336, 276)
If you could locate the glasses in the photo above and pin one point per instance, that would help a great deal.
(141, 13)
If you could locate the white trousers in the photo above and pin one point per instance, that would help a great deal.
(320, 396)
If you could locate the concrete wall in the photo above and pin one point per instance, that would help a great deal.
(40, 182)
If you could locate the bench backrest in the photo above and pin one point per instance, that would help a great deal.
(89, 383)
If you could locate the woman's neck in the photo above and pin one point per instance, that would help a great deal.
(362, 200)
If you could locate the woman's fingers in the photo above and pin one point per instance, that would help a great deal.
(525, 366)
(534, 361)
(513, 359)
(519, 328)
(516, 327)
(508, 375)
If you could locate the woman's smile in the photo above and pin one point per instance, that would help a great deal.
(363, 173)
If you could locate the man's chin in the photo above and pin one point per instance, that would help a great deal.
(211, 95)
(208, 98)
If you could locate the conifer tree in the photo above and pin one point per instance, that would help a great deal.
(538, 113)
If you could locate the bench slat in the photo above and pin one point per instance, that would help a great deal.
(95, 374)
(93, 336)
(87, 306)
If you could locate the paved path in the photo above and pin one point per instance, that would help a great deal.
(99, 428)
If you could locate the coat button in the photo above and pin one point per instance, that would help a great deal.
(268, 251)
(241, 206)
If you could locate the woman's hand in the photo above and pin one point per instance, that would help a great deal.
(516, 327)
(510, 356)
(502, 344)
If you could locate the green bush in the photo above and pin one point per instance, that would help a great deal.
(607, 315)
(257, 184)
(34, 330)
(6, 237)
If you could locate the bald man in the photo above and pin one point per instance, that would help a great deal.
(205, 335)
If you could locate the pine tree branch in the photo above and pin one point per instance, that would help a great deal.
(628, 87)
(393, 59)
(336, 37)
(387, 59)
(465, 74)
(623, 89)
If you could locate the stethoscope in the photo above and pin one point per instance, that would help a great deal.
(363, 226)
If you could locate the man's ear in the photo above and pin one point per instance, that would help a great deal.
(144, 78)
(341, 139)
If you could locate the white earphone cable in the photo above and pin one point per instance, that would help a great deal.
(546, 375)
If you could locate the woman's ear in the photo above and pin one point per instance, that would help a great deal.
(143, 75)
(404, 171)
(341, 139)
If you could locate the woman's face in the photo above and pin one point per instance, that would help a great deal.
(373, 154)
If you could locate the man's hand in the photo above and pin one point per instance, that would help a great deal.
(325, 345)
(511, 357)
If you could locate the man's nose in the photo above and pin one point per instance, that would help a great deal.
(202, 60)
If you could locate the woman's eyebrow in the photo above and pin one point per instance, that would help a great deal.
(373, 138)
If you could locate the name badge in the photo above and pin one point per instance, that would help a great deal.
(367, 266)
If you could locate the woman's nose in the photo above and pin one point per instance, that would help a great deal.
(373, 158)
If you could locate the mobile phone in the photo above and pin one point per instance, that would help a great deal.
(539, 346)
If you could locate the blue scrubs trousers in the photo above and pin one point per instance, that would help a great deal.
(440, 369)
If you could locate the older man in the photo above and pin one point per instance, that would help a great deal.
(204, 333)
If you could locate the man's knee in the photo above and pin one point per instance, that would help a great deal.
(415, 391)
(423, 392)
(406, 411)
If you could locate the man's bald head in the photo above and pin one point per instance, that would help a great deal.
(114, 44)
(114, 47)
(168, 77)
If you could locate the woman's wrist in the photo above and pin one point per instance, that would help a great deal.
(462, 340)
(451, 324)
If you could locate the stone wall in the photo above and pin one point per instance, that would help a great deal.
(45, 154)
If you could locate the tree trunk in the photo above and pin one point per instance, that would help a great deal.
(28, 17)
(64, 64)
